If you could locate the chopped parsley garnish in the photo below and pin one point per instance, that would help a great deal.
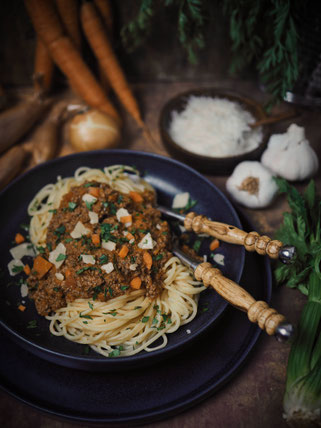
(103, 259)
(82, 270)
(17, 269)
(105, 204)
(159, 257)
(32, 324)
(86, 349)
(41, 250)
(56, 289)
(114, 353)
(60, 230)
(132, 259)
(61, 257)
(120, 199)
(90, 305)
(112, 208)
(91, 185)
(197, 245)
(111, 293)
(124, 287)
(145, 319)
(155, 321)
(72, 206)
(89, 205)
(190, 204)
(49, 246)
(68, 240)
(53, 211)
(88, 317)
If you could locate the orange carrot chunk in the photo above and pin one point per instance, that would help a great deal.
(41, 266)
(136, 283)
(95, 239)
(214, 244)
(27, 270)
(147, 259)
(126, 219)
(135, 196)
(123, 251)
(129, 236)
(21, 308)
(94, 191)
(19, 238)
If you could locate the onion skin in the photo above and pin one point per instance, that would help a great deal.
(11, 163)
(93, 130)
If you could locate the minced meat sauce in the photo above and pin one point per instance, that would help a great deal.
(76, 279)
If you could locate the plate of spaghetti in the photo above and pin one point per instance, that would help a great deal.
(88, 277)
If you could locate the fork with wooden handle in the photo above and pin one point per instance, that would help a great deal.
(258, 312)
(252, 241)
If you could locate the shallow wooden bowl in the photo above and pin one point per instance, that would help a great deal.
(209, 164)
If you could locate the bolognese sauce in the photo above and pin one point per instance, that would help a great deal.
(101, 243)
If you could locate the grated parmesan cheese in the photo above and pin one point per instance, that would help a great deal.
(53, 255)
(219, 259)
(24, 290)
(15, 267)
(93, 217)
(88, 259)
(147, 242)
(108, 245)
(87, 197)
(59, 276)
(214, 127)
(180, 200)
(25, 249)
(79, 231)
(108, 267)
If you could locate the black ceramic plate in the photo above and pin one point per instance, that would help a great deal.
(145, 394)
(168, 177)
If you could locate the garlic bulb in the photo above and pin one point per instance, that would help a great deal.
(290, 155)
(93, 130)
(252, 185)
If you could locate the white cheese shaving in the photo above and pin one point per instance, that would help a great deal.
(24, 290)
(219, 259)
(205, 257)
(93, 217)
(147, 242)
(214, 127)
(133, 266)
(87, 197)
(188, 331)
(158, 226)
(182, 228)
(180, 200)
(109, 245)
(15, 264)
(122, 212)
(88, 259)
(79, 231)
(25, 249)
(108, 267)
(53, 255)
(59, 276)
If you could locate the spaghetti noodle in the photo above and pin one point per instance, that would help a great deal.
(117, 323)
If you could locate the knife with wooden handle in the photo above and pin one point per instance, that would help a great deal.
(252, 241)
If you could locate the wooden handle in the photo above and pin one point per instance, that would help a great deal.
(274, 119)
(258, 312)
(252, 241)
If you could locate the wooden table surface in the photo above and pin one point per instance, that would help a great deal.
(253, 398)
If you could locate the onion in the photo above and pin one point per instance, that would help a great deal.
(93, 130)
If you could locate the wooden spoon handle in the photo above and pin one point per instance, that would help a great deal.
(258, 312)
(252, 241)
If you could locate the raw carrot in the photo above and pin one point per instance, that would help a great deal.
(135, 196)
(27, 270)
(95, 239)
(214, 244)
(21, 308)
(136, 283)
(49, 28)
(147, 259)
(43, 68)
(100, 44)
(126, 219)
(94, 191)
(123, 251)
(68, 11)
(105, 11)
(19, 238)
(41, 266)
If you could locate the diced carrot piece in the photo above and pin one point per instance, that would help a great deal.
(129, 236)
(95, 239)
(123, 251)
(27, 270)
(135, 196)
(41, 266)
(126, 219)
(214, 244)
(21, 308)
(19, 238)
(136, 283)
(147, 259)
(67, 273)
(94, 191)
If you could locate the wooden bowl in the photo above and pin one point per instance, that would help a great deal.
(209, 164)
